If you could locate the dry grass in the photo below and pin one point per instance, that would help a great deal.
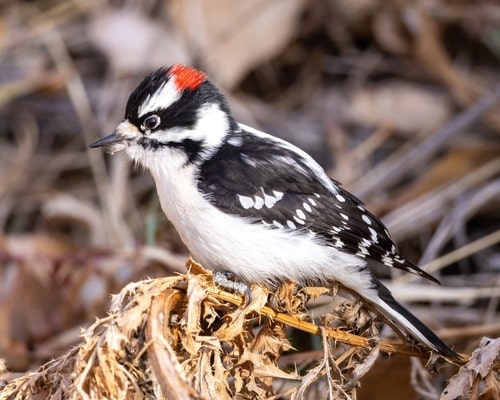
(182, 338)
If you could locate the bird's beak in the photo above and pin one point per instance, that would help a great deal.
(119, 139)
(107, 141)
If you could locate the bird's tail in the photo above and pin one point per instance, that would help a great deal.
(405, 321)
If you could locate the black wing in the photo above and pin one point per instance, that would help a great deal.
(280, 187)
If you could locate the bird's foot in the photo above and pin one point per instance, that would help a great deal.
(225, 279)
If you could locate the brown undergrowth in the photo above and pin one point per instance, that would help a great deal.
(182, 338)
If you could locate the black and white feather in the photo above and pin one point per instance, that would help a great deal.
(252, 204)
(268, 181)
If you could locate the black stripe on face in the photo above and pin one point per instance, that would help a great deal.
(183, 113)
(192, 148)
(150, 144)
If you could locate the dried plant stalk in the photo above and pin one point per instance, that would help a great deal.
(182, 338)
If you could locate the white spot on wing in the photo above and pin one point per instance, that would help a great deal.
(300, 213)
(298, 220)
(278, 195)
(340, 198)
(269, 201)
(373, 234)
(387, 260)
(291, 225)
(367, 219)
(346, 217)
(306, 206)
(363, 248)
(259, 202)
(235, 141)
(248, 160)
(338, 242)
(311, 200)
(245, 201)
(277, 224)
(365, 242)
(363, 252)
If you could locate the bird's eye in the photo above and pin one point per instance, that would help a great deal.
(151, 122)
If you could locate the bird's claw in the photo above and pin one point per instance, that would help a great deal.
(225, 279)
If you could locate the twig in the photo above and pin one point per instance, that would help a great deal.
(427, 292)
(309, 327)
(389, 172)
(431, 206)
(118, 230)
(454, 256)
(335, 334)
(472, 203)
(474, 331)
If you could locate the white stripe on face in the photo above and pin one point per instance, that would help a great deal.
(164, 97)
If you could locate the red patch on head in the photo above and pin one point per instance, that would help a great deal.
(186, 77)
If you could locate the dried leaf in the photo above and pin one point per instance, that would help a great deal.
(481, 367)
(405, 107)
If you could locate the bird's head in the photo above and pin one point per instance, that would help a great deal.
(174, 112)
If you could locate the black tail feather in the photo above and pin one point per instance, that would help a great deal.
(407, 323)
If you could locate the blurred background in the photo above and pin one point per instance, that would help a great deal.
(399, 100)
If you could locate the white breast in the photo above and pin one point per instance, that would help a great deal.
(253, 252)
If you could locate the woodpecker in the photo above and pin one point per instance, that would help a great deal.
(254, 205)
